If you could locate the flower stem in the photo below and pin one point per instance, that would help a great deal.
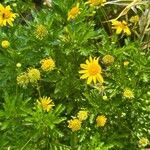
(38, 89)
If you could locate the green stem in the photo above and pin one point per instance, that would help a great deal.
(38, 89)
(73, 141)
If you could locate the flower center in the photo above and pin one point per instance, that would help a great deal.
(6, 15)
(45, 105)
(123, 25)
(94, 69)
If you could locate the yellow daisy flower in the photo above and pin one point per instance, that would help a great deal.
(5, 44)
(143, 142)
(134, 19)
(45, 103)
(82, 115)
(92, 71)
(74, 124)
(73, 13)
(127, 93)
(33, 74)
(40, 32)
(48, 64)
(96, 2)
(23, 79)
(101, 120)
(121, 27)
(6, 15)
(108, 59)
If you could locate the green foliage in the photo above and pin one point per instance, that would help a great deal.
(25, 124)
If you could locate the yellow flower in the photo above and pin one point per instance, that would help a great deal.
(143, 142)
(82, 115)
(48, 64)
(73, 13)
(108, 59)
(134, 19)
(96, 2)
(45, 103)
(18, 65)
(6, 16)
(5, 44)
(128, 93)
(101, 120)
(33, 74)
(23, 79)
(92, 71)
(121, 27)
(126, 63)
(74, 124)
(40, 32)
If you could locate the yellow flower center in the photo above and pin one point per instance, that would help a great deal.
(45, 104)
(6, 15)
(94, 69)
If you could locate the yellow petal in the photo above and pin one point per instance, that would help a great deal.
(1, 7)
(127, 31)
(83, 71)
(100, 78)
(90, 59)
(8, 7)
(10, 23)
(118, 31)
(84, 76)
(95, 60)
(124, 22)
(14, 15)
(94, 79)
(89, 80)
(83, 66)
(87, 61)
(4, 22)
(115, 22)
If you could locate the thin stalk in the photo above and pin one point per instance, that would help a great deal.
(38, 89)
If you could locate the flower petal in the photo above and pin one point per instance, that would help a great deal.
(83, 71)
(87, 61)
(94, 79)
(100, 78)
(83, 66)
(84, 76)
(127, 31)
(89, 80)
(118, 31)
